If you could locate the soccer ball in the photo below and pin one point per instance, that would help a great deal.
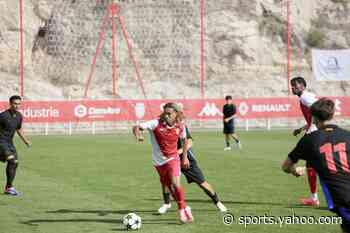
(132, 221)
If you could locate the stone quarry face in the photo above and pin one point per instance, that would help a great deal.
(244, 47)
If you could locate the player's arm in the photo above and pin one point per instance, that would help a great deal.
(189, 145)
(138, 129)
(185, 163)
(229, 118)
(137, 132)
(23, 137)
(296, 132)
(289, 167)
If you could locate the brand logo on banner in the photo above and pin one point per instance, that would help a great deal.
(331, 65)
(210, 109)
(243, 108)
(140, 110)
(80, 111)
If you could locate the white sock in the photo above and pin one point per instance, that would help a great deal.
(314, 196)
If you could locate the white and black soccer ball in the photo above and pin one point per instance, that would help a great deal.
(132, 221)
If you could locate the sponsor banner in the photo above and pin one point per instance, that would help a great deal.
(139, 110)
(331, 65)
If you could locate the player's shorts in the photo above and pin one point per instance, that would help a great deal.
(194, 173)
(229, 127)
(7, 150)
(168, 170)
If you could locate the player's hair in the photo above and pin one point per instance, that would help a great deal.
(298, 79)
(14, 97)
(228, 97)
(179, 113)
(323, 109)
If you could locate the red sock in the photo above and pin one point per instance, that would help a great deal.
(312, 177)
(179, 195)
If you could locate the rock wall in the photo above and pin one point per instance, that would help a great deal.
(245, 47)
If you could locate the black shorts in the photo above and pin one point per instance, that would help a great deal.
(7, 150)
(229, 127)
(194, 173)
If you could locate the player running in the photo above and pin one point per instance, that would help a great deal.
(192, 174)
(306, 99)
(165, 133)
(11, 122)
(327, 150)
(229, 112)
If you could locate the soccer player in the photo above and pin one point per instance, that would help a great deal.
(306, 99)
(11, 122)
(192, 174)
(327, 150)
(165, 133)
(229, 112)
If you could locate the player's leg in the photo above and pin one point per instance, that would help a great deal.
(208, 189)
(344, 213)
(234, 135)
(185, 213)
(166, 198)
(227, 141)
(195, 174)
(312, 181)
(236, 139)
(11, 168)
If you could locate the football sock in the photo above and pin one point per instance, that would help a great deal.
(214, 197)
(10, 173)
(314, 196)
(227, 144)
(180, 197)
(166, 197)
(312, 178)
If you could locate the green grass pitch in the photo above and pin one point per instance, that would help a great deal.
(74, 184)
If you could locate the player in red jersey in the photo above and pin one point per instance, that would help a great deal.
(306, 99)
(164, 133)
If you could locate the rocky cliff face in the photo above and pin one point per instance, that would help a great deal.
(245, 51)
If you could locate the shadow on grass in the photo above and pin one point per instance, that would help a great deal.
(145, 221)
(283, 205)
(36, 222)
(225, 202)
(99, 212)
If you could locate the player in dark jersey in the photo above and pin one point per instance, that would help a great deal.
(11, 122)
(229, 112)
(327, 150)
(192, 174)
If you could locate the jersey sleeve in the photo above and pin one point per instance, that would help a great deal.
(308, 98)
(19, 126)
(149, 125)
(301, 150)
(183, 133)
(188, 134)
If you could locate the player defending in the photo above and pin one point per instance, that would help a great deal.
(165, 133)
(306, 99)
(11, 122)
(327, 150)
(192, 174)
(229, 112)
